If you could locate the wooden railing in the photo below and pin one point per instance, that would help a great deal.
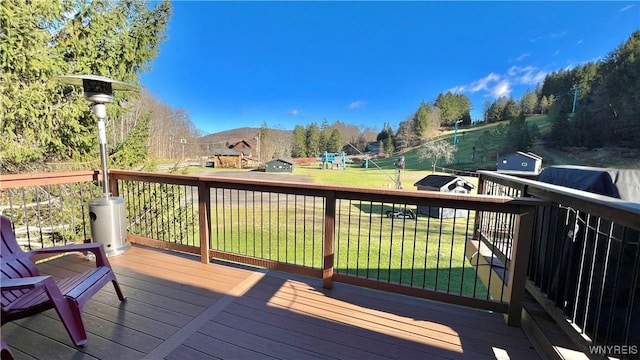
(48, 208)
(584, 259)
(334, 233)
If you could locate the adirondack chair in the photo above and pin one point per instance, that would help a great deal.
(5, 354)
(26, 293)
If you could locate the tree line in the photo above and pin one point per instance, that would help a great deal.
(45, 122)
(607, 100)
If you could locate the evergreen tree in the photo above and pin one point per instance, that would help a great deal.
(510, 110)
(385, 137)
(313, 140)
(496, 110)
(299, 146)
(325, 132)
(519, 137)
(43, 120)
(334, 143)
(453, 107)
(421, 120)
(614, 104)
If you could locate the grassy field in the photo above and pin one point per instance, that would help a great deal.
(423, 252)
(467, 139)
(360, 177)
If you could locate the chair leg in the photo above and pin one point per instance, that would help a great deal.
(118, 291)
(5, 353)
(74, 324)
(69, 312)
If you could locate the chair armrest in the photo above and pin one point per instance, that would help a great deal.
(96, 248)
(67, 248)
(23, 283)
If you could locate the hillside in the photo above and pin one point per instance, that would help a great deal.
(240, 133)
(469, 137)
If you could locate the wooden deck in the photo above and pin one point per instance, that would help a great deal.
(179, 308)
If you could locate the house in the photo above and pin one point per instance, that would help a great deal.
(227, 158)
(520, 163)
(443, 183)
(249, 150)
(280, 165)
(245, 146)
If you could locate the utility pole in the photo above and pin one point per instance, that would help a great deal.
(575, 98)
(183, 141)
(259, 157)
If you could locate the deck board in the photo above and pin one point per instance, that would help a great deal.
(413, 320)
(180, 308)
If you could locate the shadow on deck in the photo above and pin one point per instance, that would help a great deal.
(179, 308)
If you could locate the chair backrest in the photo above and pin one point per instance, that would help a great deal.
(15, 263)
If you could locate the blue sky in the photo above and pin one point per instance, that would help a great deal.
(236, 64)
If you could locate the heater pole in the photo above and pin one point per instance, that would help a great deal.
(100, 111)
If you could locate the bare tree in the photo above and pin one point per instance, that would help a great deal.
(436, 150)
(274, 143)
(172, 135)
(405, 136)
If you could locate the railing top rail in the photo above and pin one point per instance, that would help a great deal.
(624, 212)
(483, 202)
(13, 181)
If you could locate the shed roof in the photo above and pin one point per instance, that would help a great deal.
(438, 181)
(284, 160)
(529, 155)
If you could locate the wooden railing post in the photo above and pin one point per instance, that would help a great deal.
(204, 219)
(478, 217)
(518, 266)
(329, 228)
(113, 186)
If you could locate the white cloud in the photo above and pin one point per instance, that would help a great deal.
(356, 105)
(536, 39)
(556, 53)
(527, 75)
(628, 7)
(293, 112)
(523, 56)
(497, 85)
(503, 88)
(557, 35)
(478, 85)
(533, 77)
(579, 42)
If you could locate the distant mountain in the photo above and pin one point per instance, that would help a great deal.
(246, 133)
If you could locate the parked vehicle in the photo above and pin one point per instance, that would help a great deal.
(400, 214)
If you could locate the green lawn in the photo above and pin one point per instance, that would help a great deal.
(467, 139)
(425, 252)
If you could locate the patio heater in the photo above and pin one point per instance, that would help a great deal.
(106, 213)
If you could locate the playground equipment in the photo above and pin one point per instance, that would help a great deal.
(336, 161)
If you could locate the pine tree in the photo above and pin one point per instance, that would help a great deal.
(313, 140)
(43, 120)
(299, 146)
